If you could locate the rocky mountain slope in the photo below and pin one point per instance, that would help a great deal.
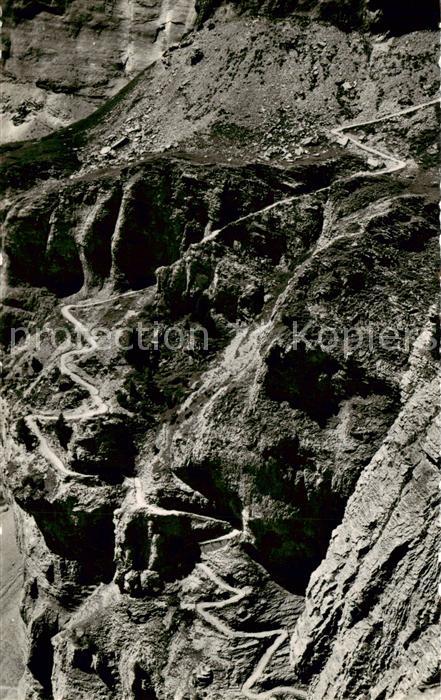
(218, 414)
(63, 58)
(13, 638)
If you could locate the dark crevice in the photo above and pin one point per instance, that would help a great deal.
(98, 240)
(210, 481)
(137, 543)
(310, 379)
(44, 253)
(142, 687)
(403, 16)
(290, 549)
(21, 10)
(41, 652)
(150, 239)
(84, 538)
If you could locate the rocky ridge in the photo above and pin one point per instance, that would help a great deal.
(213, 479)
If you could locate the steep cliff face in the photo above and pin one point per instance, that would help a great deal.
(217, 402)
(257, 435)
(62, 60)
(370, 626)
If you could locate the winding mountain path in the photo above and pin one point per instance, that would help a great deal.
(205, 609)
(34, 420)
(280, 635)
(396, 164)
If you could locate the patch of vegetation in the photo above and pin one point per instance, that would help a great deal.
(25, 162)
(55, 155)
(232, 132)
(355, 195)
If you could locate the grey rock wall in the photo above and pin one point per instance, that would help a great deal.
(61, 61)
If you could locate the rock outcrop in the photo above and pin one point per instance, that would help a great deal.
(370, 626)
(61, 60)
(218, 366)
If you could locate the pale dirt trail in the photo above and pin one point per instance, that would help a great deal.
(230, 355)
(396, 163)
(238, 594)
(34, 419)
(203, 609)
(152, 509)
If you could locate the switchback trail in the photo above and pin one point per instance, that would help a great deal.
(396, 164)
(34, 420)
(99, 407)
(203, 609)
(280, 635)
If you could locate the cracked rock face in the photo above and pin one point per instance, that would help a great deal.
(372, 604)
(219, 407)
(61, 60)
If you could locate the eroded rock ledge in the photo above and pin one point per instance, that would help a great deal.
(185, 512)
(260, 436)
